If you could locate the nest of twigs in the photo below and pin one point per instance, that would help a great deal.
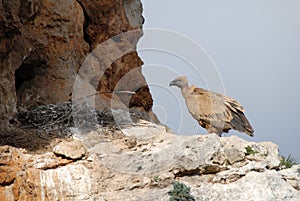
(62, 116)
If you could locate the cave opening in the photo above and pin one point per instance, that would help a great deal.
(24, 76)
(24, 73)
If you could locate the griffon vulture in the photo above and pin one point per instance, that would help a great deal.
(214, 112)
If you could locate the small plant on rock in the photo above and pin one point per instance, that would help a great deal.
(156, 178)
(250, 151)
(287, 162)
(180, 192)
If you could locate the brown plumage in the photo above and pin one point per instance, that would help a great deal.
(214, 112)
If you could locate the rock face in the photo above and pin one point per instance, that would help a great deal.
(129, 165)
(44, 43)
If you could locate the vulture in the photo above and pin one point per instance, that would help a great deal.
(213, 111)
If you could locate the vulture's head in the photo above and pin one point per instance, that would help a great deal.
(180, 82)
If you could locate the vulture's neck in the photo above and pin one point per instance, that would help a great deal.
(185, 90)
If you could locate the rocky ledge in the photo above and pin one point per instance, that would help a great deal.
(141, 161)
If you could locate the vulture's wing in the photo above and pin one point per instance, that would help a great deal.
(209, 107)
(222, 111)
(239, 121)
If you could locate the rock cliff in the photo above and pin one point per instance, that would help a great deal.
(141, 161)
(43, 44)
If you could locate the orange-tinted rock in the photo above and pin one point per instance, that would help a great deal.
(10, 164)
(43, 44)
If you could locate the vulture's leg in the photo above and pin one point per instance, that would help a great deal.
(215, 130)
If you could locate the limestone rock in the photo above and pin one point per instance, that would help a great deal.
(71, 150)
(233, 155)
(255, 186)
(139, 183)
(292, 175)
(129, 167)
(48, 161)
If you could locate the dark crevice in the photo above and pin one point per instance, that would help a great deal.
(86, 23)
(8, 183)
(209, 169)
(188, 173)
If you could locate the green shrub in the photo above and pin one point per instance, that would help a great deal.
(250, 151)
(180, 192)
(287, 162)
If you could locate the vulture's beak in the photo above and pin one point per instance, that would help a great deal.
(173, 83)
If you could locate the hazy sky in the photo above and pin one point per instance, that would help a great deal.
(253, 56)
